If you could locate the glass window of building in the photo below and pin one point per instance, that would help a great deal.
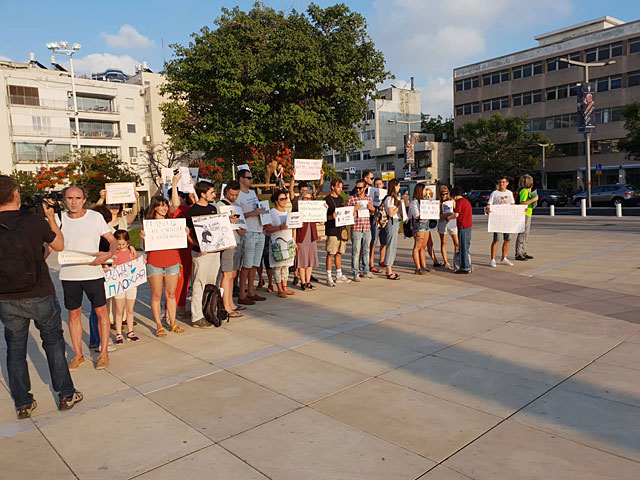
(354, 156)
(366, 155)
(92, 104)
(128, 103)
(131, 128)
(19, 95)
(555, 63)
(634, 79)
(603, 52)
(495, 77)
(634, 45)
(133, 151)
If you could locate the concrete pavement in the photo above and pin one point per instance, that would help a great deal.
(520, 372)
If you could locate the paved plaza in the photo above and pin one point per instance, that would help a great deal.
(523, 372)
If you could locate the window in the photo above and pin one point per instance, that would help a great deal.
(495, 77)
(604, 52)
(634, 79)
(605, 146)
(19, 95)
(565, 150)
(35, 152)
(527, 98)
(634, 45)
(133, 152)
(92, 104)
(95, 129)
(608, 115)
(555, 63)
(131, 128)
(41, 123)
(609, 83)
(468, 108)
(371, 115)
(527, 70)
(128, 103)
(366, 155)
(495, 104)
(369, 135)
(354, 156)
(467, 83)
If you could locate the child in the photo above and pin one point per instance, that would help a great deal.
(125, 253)
(462, 214)
(501, 196)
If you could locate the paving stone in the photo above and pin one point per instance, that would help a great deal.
(28, 455)
(626, 355)
(607, 381)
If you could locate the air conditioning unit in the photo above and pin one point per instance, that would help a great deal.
(146, 139)
(133, 160)
(367, 122)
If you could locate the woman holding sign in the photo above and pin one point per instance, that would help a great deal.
(393, 208)
(447, 205)
(283, 248)
(420, 230)
(307, 241)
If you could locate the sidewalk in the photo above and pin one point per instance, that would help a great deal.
(520, 372)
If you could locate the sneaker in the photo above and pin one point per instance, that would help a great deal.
(110, 348)
(459, 271)
(103, 361)
(75, 363)
(505, 261)
(492, 263)
(313, 279)
(330, 282)
(527, 256)
(342, 279)
(202, 323)
(356, 278)
(368, 275)
(67, 403)
(521, 258)
(25, 412)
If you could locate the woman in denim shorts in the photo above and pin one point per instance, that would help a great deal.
(420, 228)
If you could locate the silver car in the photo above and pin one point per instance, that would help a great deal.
(610, 195)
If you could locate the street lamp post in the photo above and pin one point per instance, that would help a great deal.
(587, 134)
(63, 48)
(544, 161)
(46, 153)
(408, 139)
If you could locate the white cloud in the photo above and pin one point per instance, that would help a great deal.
(2, 57)
(126, 38)
(99, 62)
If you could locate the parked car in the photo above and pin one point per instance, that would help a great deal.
(552, 197)
(478, 198)
(610, 195)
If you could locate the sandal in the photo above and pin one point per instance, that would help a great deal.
(282, 294)
(375, 270)
(119, 339)
(161, 332)
(438, 264)
(234, 315)
(311, 286)
(132, 337)
(270, 289)
(239, 307)
(448, 266)
(176, 329)
(289, 292)
(393, 276)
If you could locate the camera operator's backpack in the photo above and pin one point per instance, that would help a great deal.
(380, 218)
(19, 267)
(212, 306)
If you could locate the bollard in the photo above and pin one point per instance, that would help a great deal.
(583, 207)
(552, 210)
(618, 209)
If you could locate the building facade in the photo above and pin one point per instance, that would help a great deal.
(536, 83)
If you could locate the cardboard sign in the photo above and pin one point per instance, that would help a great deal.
(164, 234)
(71, 257)
(507, 218)
(447, 209)
(294, 220)
(231, 210)
(429, 210)
(377, 194)
(363, 211)
(265, 216)
(307, 169)
(313, 210)
(120, 193)
(214, 232)
(185, 184)
(121, 278)
(344, 216)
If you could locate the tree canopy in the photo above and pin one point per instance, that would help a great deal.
(497, 146)
(441, 128)
(631, 143)
(268, 80)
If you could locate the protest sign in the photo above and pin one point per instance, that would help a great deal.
(429, 210)
(265, 216)
(164, 234)
(312, 210)
(294, 220)
(433, 190)
(214, 232)
(194, 172)
(167, 175)
(231, 211)
(447, 209)
(120, 192)
(377, 194)
(363, 211)
(120, 278)
(71, 257)
(185, 184)
(344, 216)
(307, 169)
(507, 218)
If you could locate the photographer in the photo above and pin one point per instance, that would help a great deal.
(26, 292)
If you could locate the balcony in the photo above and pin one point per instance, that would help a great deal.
(30, 102)
(85, 104)
(23, 131)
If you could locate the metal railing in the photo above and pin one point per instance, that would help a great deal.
(29, 101)
(19, 130)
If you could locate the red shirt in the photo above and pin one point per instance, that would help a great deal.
(165, 258)
(463, 209)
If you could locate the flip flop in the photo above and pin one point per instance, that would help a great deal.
(375, 270)
(239, 307)
(289, 292)
(234, 315)
(393, 276)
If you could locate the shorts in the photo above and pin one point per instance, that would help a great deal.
(252, 249)
(127, 294)
(335, 246)
(505, 236)
(266, 260)
(443, 229)
(420, 226)
(231, 260)
(382, 235)
(166, 271)
(73, 290)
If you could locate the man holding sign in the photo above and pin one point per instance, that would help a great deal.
(361, 231)
(336, 236)
(501, 196)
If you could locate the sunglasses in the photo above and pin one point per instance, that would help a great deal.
(282, 199)
(359, 188)
(248, 178)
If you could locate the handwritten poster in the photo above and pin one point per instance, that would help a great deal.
(214, 232)
(185, 185)
(71, 257)
(165, 234)
(120, 278)
(344, 216)
(307, 169)
(363, 210)
(120, 192)
(507, 218)
(265, 216)
(447, 209)
(377, 194)
(429, 210)
(233, 211)
(294, 220)
(313, 210)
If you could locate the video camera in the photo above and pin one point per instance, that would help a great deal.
(34, 202)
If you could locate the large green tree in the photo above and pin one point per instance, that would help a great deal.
(631, 143)
(267, 79)
(441, 128)
(497, 145)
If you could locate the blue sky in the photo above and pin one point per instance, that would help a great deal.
(421, 38)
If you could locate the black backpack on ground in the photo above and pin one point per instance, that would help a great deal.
(212, 306)
(19, 266)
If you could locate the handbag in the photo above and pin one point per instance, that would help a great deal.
(282, 249)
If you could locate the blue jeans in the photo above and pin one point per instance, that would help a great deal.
(391, 233)
(16, 316)
(94, 333)
(360, 240)
(464, 237)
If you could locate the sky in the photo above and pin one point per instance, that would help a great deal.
(425, 39)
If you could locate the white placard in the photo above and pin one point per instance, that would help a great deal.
(447, 209)
(185, 184)
(377, 194)
(71, 257)
(244, 167)
(313, 210)
(507, 218)
(307, 169)
(363, 211)
(164, 234)
(232, 210)
(404, 211)
(265, 216)
(429, 210)
(344, 216)
(120, 278)
(167, 175)
(214, 232)
(120, 193)
(294, 220)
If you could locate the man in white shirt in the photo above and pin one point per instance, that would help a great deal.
(501, 196)
(82, 230)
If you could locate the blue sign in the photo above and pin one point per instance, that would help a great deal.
(352, 169)
(598, 167)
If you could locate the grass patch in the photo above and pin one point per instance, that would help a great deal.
(134, 237)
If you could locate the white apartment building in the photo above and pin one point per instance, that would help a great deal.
(37, 124)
